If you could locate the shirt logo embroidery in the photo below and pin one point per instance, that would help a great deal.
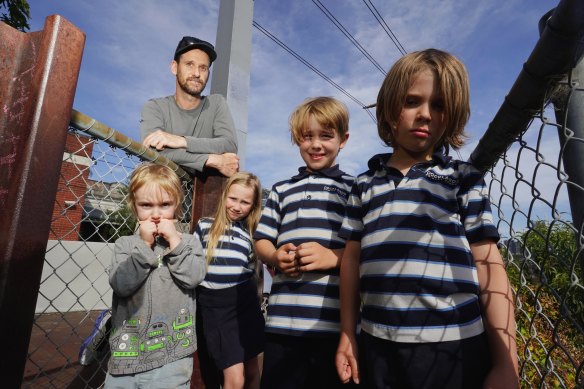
(440, 178)
(334, 189)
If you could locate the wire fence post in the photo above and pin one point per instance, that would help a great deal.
(529, 173)
(38, 76)
(568, 101)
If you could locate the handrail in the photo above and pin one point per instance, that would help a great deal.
(99, 130)
(557, 51)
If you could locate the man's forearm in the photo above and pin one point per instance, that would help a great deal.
(211, 145)
(184, 158)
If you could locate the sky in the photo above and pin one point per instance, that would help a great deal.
(129, 46)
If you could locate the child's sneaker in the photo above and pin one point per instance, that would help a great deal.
(96, 346)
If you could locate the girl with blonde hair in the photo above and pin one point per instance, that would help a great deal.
(233, 325)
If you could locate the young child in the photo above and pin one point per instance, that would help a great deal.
(298, 236)
(436, 304)
(233, 324)
(153, 276)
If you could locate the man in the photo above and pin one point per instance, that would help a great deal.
(193, 130)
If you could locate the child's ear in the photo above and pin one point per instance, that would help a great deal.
(344, 140)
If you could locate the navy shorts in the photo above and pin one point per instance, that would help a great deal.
(301, 362)
(461, 364)
(233, 324)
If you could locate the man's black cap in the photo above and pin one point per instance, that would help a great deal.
(189, 43)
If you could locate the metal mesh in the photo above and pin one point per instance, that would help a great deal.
(90, 213)
(542, 247)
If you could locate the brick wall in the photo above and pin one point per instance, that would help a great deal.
(68, 208)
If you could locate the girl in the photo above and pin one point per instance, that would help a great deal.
(233, 325)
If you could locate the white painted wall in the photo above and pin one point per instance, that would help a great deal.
(75, 277)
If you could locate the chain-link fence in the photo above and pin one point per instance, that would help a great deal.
(90, 213)
(542, 244)
(534, 153)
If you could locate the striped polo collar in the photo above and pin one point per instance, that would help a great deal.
(239, 223)
(331, 172)
(237, 228)
(379, 161)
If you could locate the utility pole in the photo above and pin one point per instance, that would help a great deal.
(231, 71)
(231, 76)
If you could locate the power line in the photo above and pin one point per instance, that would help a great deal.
(351, 38)
(310, 66)
(385, 27)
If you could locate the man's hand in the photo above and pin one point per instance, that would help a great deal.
(160, 139)
(227, 163)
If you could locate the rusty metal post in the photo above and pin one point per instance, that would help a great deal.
(208, 190)
(38, 77)
(208, 187)
(231, 79)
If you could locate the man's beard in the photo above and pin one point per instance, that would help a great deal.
(184, 85)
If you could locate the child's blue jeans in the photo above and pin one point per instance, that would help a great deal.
(176, 374)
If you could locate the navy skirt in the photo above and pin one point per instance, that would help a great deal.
(233, 324)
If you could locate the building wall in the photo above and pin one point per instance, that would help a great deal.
(68, 208)
(75, 277)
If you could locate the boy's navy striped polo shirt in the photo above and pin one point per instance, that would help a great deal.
(418, 278)
(233, 262)
(309, 207)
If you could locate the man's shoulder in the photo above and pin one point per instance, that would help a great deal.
(159, 101)
(216, 99)
(164, 100)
